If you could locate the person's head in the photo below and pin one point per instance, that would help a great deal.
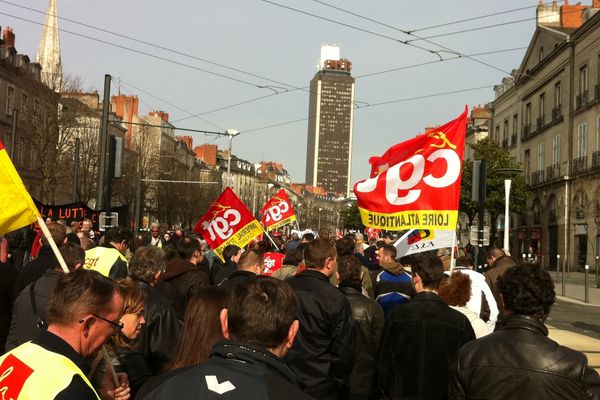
(308, 237)
(58, 233)
(262, 312)
(427, 273)
(465, 262)
(387, 253)
(147, 264)
(344, 247)
(134, 299)
(295, 237)
(119, 237)
(86, 225)
(456, 291)
(189, 249)
(252, 260)
(493, 254)
(293, 256)
(87, 243)
(527, 289)
(349, 269)
(388, 238)
(84, 310)
(155, 230)
(232, 253)
(320, 254)
(73, 255)
(75, 227)
(201, 327)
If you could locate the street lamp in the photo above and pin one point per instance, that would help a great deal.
(507, 184)
(256, 172)
(231, 133)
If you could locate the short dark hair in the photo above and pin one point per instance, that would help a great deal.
(344, 246)
(145, 263)
(495, 252)
(58, 233)
(390, 250)
(73, 254)
(79, 293)
(118, 234)
(527, 290)
(349, 269)
(186, 247)
(308, 236)
(229, 251)
(430, 269)
(464, 261)
(317, 251)
(261, 311)
(249, 258)
(293, 256)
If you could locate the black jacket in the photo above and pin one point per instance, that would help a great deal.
(322, 355)
(519, 361)
(236, 370)
(180, 281)
(368, 327)
(237, 278)
(33, 270)
(159, 336)
(23, 326)
(8, 278)
(420, 345)
(221, 271)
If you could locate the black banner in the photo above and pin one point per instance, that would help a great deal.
(78, 211)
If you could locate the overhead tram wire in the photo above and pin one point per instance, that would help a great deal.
(371, 105)
(154, 45)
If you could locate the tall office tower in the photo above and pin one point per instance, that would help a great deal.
(330, 119)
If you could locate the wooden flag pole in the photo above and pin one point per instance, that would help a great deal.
(269, 236)
(63, 264)
(452, 250)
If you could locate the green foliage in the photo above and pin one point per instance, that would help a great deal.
(497, 158)
(351, 218)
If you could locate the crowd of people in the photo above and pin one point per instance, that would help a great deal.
(155, 317)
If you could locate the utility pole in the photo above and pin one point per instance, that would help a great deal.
(481, 212)
(231, 133)
(103, 144)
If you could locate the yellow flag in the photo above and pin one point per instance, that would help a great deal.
(16, 206)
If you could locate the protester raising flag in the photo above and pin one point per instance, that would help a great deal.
(16, 206)
(420, 240)
(416, 184)
(228, 221)
(278, 211)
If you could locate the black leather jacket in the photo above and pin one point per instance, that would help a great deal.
(368, 327)
(519, 361)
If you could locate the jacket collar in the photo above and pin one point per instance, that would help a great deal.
(176, 268)
(525, 322)
(233, 350)
(431, 296)
(314, 274)
(349, 287)
(242, 273)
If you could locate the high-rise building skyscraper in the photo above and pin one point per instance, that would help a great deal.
(330, 120)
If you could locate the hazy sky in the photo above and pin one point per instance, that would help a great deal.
(278, 44)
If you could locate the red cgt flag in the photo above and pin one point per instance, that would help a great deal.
(272, 262)
(228, 221)
(277, 211)
(416, 184)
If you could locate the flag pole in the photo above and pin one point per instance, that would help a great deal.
(452, 249)
(63, 265)
(269, 236)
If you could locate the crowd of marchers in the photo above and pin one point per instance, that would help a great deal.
(155, 317)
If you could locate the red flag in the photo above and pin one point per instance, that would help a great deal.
(277, 211)
(272, 262)
(228, 221)
(416, 184)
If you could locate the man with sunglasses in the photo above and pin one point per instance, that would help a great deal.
(84, 311)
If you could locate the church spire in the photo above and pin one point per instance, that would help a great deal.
(48, 54)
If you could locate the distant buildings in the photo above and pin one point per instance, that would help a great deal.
(330, 121)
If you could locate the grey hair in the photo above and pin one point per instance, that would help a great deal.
(146, 262)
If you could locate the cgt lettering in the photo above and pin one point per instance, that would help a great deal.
(222, 226)
(276, 212)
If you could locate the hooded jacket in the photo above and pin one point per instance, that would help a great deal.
(393, 285)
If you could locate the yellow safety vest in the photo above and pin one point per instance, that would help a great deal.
(101, 259)
(30, 372)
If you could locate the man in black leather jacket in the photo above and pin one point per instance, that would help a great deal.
(260, 325)
(322, 356)
(518, 360)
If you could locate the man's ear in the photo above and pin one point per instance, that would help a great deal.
(77, 266)
(292, 334)
(224, 324)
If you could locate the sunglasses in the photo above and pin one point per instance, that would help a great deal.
(118, 325)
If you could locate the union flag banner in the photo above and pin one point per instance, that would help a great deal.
(278, 211)
(272, 262)
(16, 206)
(228, 221)
(420, 240)
(416, 184)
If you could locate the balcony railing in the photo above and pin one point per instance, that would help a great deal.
(553, 171)
(596, 160)
(540, 122)
(580, 165)
(537, 177)
(513, 139)
(526, 130)
(505, 142)
(556, 112)
(581, 100)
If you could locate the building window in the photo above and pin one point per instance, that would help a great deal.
(505, 131)
(583, 80)
(515, 128)
(581, 140)
(10, 99)
(542, 107)
(526, 162)
(24, 105)
(556, 150)
(541, 54)
(541, 156)
(598, 134)
(528, 114)
(496, 133)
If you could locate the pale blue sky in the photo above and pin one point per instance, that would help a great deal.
(283, 45)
